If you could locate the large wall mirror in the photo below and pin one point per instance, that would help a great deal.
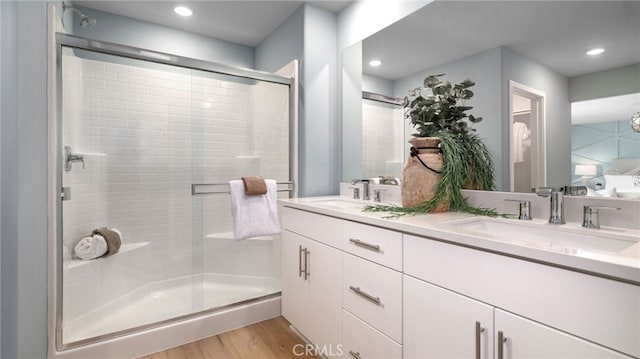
(534, 82)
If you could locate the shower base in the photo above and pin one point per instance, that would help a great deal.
(165, 300)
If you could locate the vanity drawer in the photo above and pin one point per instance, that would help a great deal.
(601, 310)
(375, 244)
(361, 340)
(374, 294)
(324, 229)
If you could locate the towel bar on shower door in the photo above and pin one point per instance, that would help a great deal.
(225, 188)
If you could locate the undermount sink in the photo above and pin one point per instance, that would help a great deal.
(546, 236)
(340, 203)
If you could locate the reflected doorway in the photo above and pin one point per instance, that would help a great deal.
(526, 138)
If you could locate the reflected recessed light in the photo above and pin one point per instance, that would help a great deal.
(375, 63)
(596, 51)
(182, 10)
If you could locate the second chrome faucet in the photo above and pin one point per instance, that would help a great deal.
(556, 213)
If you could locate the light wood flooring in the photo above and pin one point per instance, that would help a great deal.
(271, 339)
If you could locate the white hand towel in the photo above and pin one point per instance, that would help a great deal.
(254, 215)
(91, 247)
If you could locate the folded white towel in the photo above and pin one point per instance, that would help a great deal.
(91, 247)
(254, 215)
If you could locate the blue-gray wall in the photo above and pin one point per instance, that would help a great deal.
(24, 180)
(283, 45)
(127, 31)
(485, 70)
(614, 82)
(558, 111)
(319, 145)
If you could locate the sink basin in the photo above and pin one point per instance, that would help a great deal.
(565, 239)
(340, 203)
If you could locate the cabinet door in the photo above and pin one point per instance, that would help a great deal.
(527, 339)
(294, 286)
(324, 309)
(438, 323)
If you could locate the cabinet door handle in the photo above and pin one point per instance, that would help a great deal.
(307, 256)
(300, 271)
(356, 355)
(501, 340)
(357, 242)
(479, 330)
(365, 294)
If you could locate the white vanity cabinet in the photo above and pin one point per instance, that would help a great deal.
(380, 293)
(312, 278)
(438, 323)
(517, 337)
(567, 311)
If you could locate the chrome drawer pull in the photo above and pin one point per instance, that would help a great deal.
(300, 271)
(479, 331)
(501, 340)
(356, 355)
(357, 242)
(365, 294)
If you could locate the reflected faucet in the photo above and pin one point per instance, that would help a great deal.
(365, 187)
(556, 213)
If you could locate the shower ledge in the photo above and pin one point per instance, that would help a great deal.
(75, 262)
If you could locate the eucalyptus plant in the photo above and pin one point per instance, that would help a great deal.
(438, 110)
(440, 106)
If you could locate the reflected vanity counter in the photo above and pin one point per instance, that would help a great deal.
(415, 286)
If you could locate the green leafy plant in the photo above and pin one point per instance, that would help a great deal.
(438, 110)
(440, 106)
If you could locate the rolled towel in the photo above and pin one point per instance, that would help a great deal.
(91, 247)
(254, 185)
(112, 237)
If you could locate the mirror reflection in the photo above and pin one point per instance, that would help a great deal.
(529, 76)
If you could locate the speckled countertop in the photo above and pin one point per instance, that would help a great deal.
(621, 263)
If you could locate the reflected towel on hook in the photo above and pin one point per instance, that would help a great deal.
(254, 216)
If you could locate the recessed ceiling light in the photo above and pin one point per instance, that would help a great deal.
(182, 10)
(596, 51)
(375, 63)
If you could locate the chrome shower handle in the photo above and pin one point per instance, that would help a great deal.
(70, 157)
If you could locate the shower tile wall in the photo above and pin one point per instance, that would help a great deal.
(382, 139)
(147, 136)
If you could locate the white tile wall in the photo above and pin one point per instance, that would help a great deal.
(382, 140)
(147, 135)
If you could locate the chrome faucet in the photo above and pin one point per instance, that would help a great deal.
(556, 213)
(591, 218)
(365, 187)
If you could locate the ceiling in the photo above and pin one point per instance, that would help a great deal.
(239, 21)
(554, 33)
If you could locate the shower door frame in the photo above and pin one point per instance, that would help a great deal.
(56, 157)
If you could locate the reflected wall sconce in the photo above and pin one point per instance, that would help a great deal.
(587, 172)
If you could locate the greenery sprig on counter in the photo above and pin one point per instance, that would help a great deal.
(465, 162)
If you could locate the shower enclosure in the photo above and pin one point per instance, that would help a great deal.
(146, 144)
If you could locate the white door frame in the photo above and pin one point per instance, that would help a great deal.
(538, 123)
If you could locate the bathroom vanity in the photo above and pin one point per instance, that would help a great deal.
(358, 285)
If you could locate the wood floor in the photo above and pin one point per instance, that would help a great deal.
(271, 339)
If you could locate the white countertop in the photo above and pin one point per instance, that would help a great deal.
(623, 265)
